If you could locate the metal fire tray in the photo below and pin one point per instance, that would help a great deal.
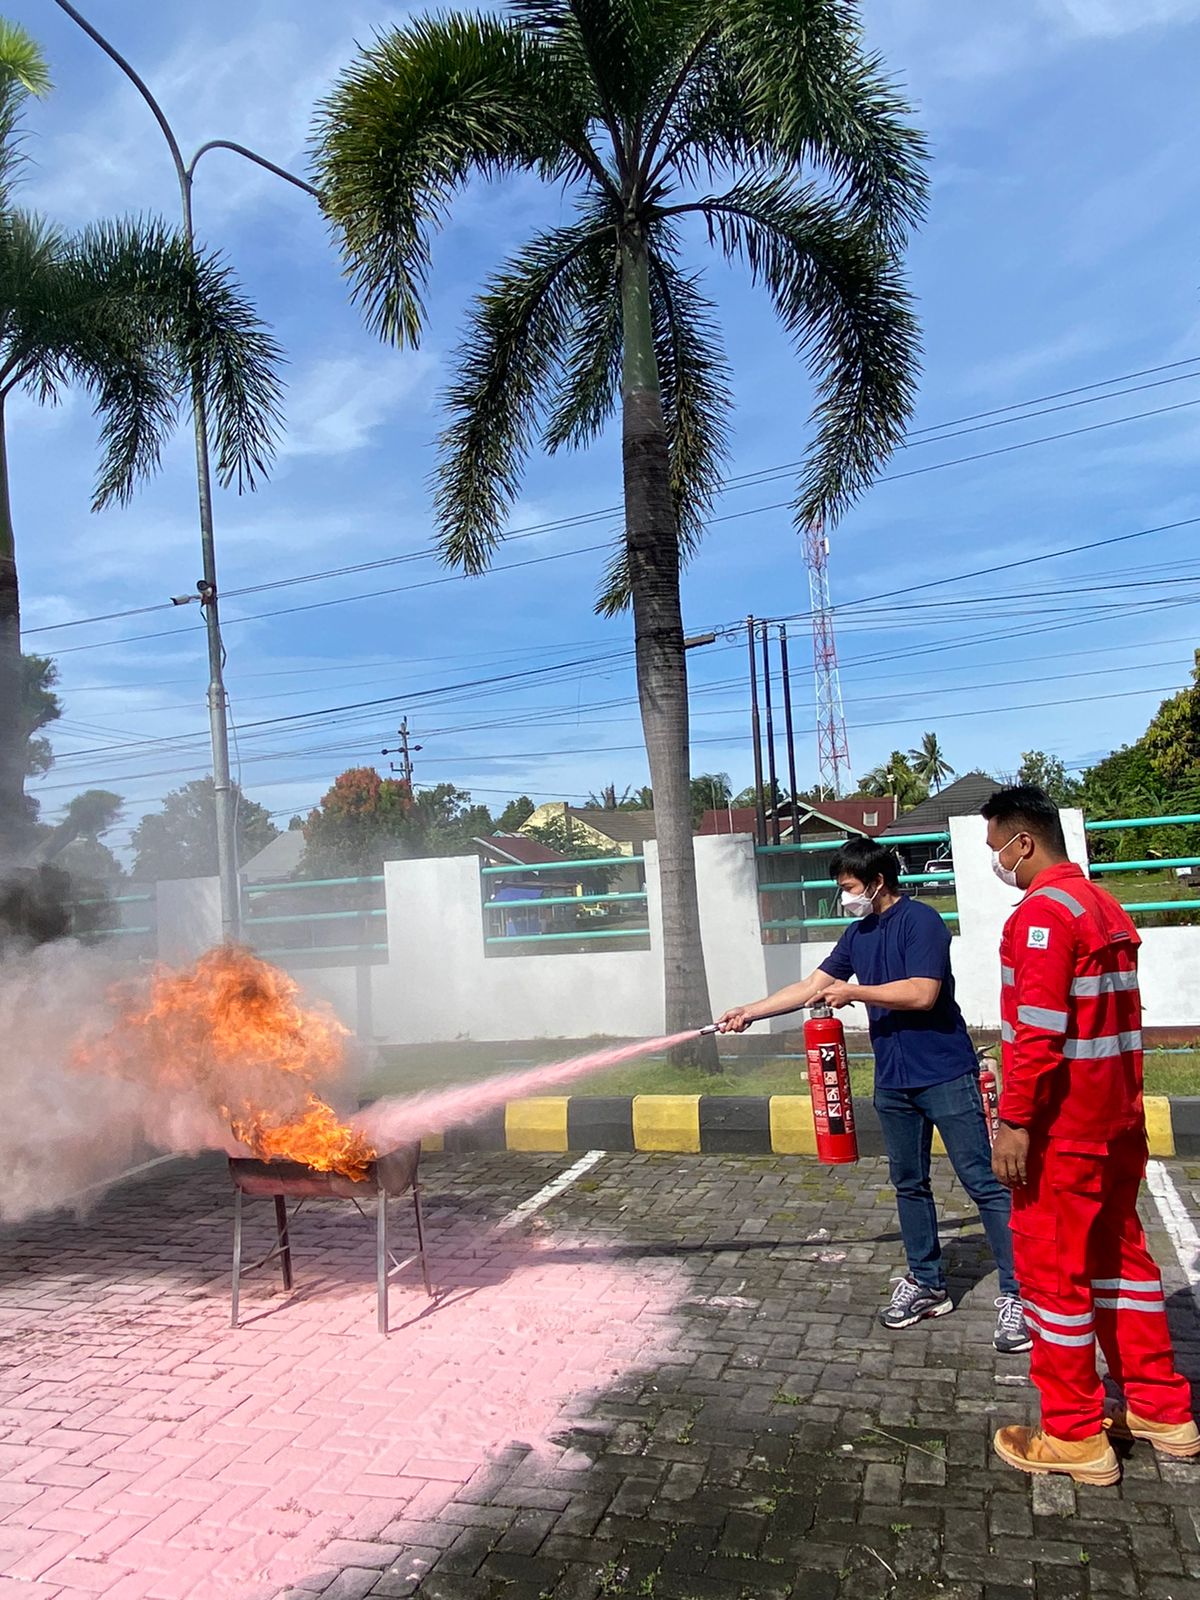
(387, 1177)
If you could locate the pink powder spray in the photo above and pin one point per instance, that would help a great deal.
(397, 1121)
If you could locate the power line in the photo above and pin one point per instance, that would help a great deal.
(765, 475)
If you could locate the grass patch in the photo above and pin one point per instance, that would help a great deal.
(405, 1070)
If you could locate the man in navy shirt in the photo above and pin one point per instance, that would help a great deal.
(926, 1074)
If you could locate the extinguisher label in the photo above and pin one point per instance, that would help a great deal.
(838, 1115)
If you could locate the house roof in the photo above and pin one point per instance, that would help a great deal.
(852, 813)
(276, 861)
(962, 798)
(625, 827)
(518, 849)
(739, 819)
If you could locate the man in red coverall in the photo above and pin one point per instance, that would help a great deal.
(1072, 1147)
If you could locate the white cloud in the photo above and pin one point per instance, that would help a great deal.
(1015, 372)
(336, 406)
(253, 76)
(1110, 19)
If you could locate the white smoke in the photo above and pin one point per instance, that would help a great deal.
(84, 1095)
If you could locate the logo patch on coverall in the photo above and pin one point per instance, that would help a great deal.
(1039, 938)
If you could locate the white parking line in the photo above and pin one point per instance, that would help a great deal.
(1177, 1222)
(549, 1191)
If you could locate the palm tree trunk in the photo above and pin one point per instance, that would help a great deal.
(652, 542)
(14, 817)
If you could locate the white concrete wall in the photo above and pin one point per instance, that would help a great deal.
(439, 984)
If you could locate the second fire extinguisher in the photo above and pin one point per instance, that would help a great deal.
(829, 1085)
(990, 1094)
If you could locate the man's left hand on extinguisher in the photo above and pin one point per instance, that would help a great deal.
(1010, 1152)
(839, 994)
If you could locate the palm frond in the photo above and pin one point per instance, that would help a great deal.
(812, 94)
(416, 115)
(31, 255)
(239, 362)
(585, 386)
(23, 73)
(519, 328)
(788, 86)
(839, 289)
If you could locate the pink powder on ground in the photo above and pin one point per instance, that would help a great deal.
(397, 1121)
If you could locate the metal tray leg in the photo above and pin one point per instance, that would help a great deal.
(285, 1243)
(237, 1258)
(381, 1257)
(416, 1194)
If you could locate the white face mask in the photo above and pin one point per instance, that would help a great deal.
(1007, 875)
(858, 905)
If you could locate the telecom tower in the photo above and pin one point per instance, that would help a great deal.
(833, 749)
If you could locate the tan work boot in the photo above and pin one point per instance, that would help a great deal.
(1086, 1460)
(1180, 1439)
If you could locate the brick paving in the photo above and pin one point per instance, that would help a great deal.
(668, 1383)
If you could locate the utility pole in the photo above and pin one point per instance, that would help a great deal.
(406, 751)
(760, 809)
(789, 730)
(185, 172)
(772, 777)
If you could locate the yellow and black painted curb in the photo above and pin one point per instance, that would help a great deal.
(778, 1124)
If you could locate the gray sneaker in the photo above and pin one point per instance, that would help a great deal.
(912, 1302)
(1012, 1336)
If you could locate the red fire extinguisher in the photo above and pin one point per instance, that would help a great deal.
(829, 1085)
(989, 1089)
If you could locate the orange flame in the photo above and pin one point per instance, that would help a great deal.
(231, 1032)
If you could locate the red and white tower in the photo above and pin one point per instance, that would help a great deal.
(833, 749)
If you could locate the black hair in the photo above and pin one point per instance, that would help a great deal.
(1026, 809)
(866, 860)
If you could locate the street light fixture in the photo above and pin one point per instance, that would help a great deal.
(227, 864)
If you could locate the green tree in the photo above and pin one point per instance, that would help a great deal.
(929, 762)
(180, 841)
(128, 312)
(710, 791)
(76, 845)
(515, 814)
(896, 776)
(365, 820)
(89, 815)
(557, 834)
(1047, 772)
(763, 123)
(772, 795)
(1157, 776)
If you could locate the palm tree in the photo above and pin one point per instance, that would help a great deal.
(929, 762)
(759, 124)
(896, 777)
(129, 312)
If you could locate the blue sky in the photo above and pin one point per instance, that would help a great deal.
(1061, 250)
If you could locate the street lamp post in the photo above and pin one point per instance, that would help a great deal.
(227, 863)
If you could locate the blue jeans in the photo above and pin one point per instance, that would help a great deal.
(908, 1118)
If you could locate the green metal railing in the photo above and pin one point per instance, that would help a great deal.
(1185, 904)
(559, 905)
(139, 930)
(766, 852)
(367, 887)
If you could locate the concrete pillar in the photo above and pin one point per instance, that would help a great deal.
(189, 918)
(727, 886)
(984, 905)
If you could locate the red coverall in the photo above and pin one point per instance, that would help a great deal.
(1071, 1026)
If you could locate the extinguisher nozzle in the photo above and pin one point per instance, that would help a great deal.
(713, 1027)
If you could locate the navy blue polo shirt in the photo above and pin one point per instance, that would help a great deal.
(913, 1049)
